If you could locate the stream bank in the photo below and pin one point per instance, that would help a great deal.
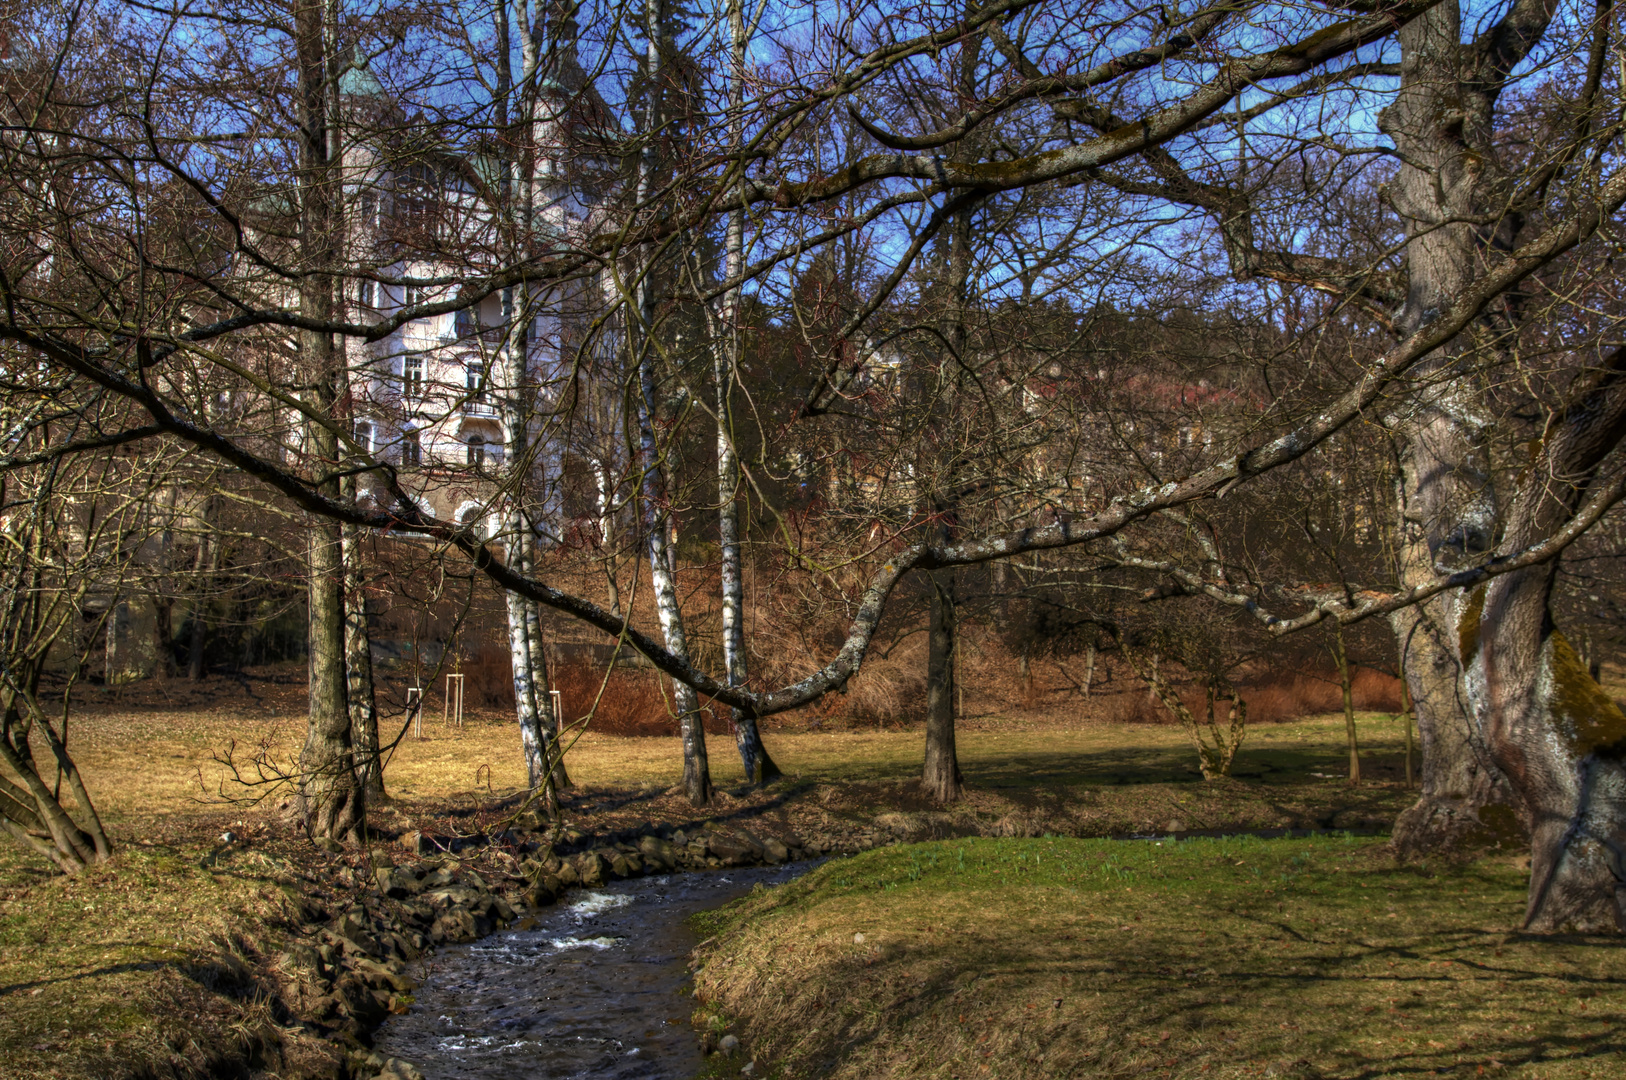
(343, 979)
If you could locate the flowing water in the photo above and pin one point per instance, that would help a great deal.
(591, 991)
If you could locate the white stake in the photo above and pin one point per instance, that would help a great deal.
(414, 704)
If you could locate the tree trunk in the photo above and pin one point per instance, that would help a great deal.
(759, 766)
(541, 684)
(1089, 668)
(1341, 656)
(940, 778)
(1464, 801)
(331, 798)
(657, 522)
(1560, 740)
(1446, 504)
(533, 737)
(358, 665)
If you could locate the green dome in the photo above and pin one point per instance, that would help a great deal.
(358, 79)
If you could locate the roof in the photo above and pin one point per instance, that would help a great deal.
(358, 79)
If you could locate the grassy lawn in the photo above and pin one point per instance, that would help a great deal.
(131, 964)
(150, 764)
(1200, 958)
(139, 962)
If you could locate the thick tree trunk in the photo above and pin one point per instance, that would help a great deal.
(940, 778)
(358, 667)
(533, 737)
(541, 684)
(1562, 741)
(331, 796)
(1446, 504)
(1465, 801)
(1559, 739)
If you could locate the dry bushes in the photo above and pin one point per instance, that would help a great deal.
(489, 677)
(889, 689)
(1283, 698)
(1272, 699)
(1135, 707)
(632, 703)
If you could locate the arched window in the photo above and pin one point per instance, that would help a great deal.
(470, 516)
(477, 450)
(411, 448)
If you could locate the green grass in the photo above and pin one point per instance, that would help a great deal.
(135, 963)
(1211, 958)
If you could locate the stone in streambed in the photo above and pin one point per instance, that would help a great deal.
(456, 925)
(591, 869)
(657, 853)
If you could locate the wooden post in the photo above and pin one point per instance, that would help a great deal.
(451, 713)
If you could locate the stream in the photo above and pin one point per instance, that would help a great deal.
(590, 991)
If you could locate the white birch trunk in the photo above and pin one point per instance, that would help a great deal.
(759, 766)
(657, 517)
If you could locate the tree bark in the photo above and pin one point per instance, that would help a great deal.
(1464, 802)
(358, 665)
(657, 513)
(1406, 712)
(331, 798)
(759, 766)
(1446, 504)
(940, 777)
(1559, 739)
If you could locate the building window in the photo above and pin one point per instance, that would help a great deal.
(477, 450)
(413, 295)
(476, 375)
(411, 448)
(412, 376)
(363, 434)
(367, 293)
(466, 322)
(471, 518)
